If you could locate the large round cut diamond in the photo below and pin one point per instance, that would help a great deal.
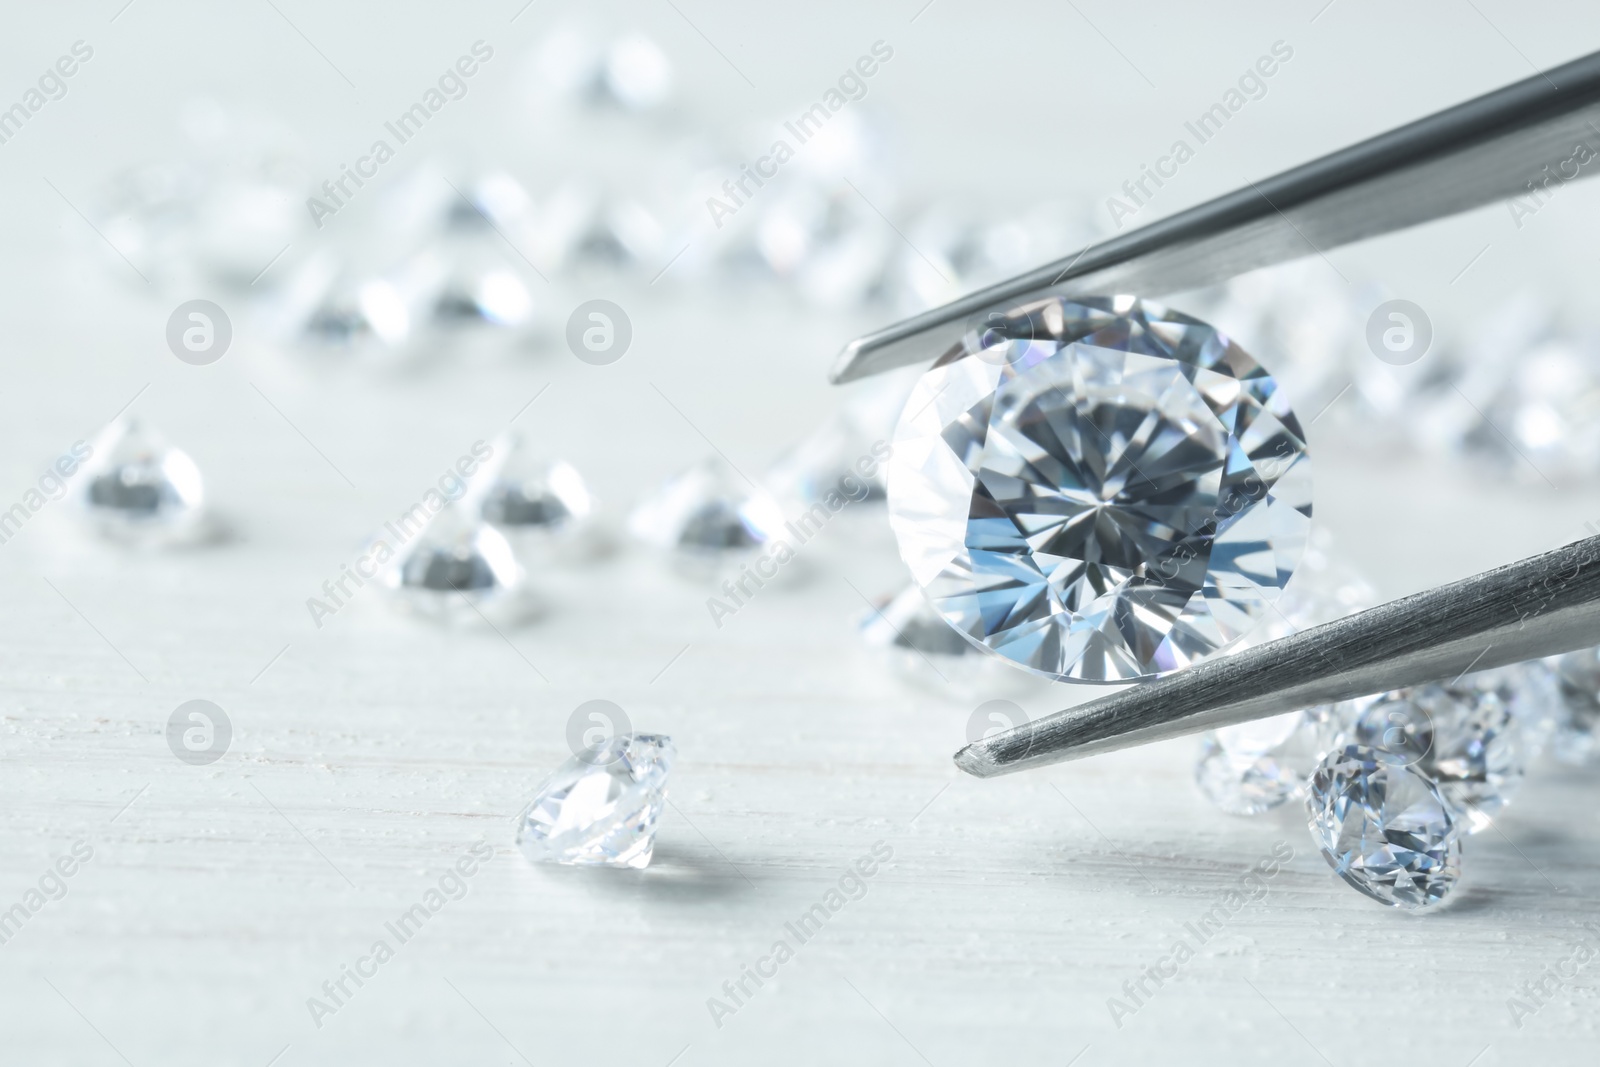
(1100, 489)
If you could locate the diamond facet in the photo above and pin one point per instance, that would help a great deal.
(600, 808)
(1384, 827)
(1099, 490)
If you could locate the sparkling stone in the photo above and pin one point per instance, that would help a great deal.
(1577, 729)
(1246, 782)
(1549, 408)
(543, 506)
(481, 291)
(704, 514)
(457, 570)
(1099, 490)
(137, 489)
(600, 808)
(1462, 736)
(1384, 827)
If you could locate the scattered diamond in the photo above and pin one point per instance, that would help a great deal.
(1384, 827)
(542, 506)
(920, 647)
(600, 808)
(457, 570)
(704, 514)
(139, 490)
(1100, 490)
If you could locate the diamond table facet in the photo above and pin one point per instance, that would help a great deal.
(1099, 490)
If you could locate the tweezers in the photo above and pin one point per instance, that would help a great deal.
(1524, 140)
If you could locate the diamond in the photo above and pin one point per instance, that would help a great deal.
(704, 514)
(600, 808)
(1462, 736)
(139, 490)
(457, 570)
(1384, 827)
(1577, 728)
(1099, 490)
(1256, 766)
(543, 506)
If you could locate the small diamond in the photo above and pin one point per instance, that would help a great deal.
(1099, 490)
(1384, 827)
(600, 808)
(1577, 728)
(541, 505)
(457, 570)
(1255, 766)
(139, 490)
(488, 293)
(1462, 736)
(705, 513)
(837, 459)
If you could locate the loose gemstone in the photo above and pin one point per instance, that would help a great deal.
(456, 570)
(830, 461)
(1243, 781)
(704, 514)
(600, 808)
(1099, 490)
(1462, 736)
(543, 506)
(1384, 827)
(139, 490)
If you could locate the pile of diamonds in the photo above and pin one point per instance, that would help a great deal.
(1395, 782)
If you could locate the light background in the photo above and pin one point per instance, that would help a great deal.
(376, 751)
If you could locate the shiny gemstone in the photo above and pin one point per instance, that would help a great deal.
(1462, 736)
(838, 458)
(1384, 827)
(541, 505)
(137, 489)
(1255, 767)
(705, 513)
(600, 808)
(1099, 490)
(457, 570)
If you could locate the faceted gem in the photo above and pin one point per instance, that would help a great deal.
(1255, 766)
(1577, 727)
(704, 513)
(831, 460)
(139, 490)
(457, 569)
(1384, 827)
(600, 808)
(542, 506)
(1462, 736)
(1099, 490)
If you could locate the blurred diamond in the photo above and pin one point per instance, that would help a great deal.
(918, 646)
(541, 505)
(1384, 827)
(139, 490)
(705, 513)
(454, 570)
(600, 808)
(837, 459)
(1100, 490)
(636, 73)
